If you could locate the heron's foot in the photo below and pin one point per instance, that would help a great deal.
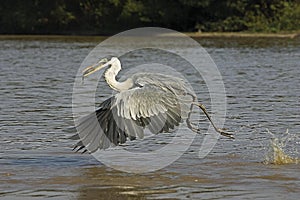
(193, 126)
(196, 130)
(224, 133)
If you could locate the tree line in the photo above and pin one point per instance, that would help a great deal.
(111, 16)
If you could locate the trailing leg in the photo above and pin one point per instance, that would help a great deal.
(221, 131)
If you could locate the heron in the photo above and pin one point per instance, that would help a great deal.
(153, 101)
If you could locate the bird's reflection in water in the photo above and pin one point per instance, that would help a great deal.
(104, 183)
(108, 193)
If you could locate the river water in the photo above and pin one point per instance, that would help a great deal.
(262, 82)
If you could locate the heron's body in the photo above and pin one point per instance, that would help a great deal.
(154, 101)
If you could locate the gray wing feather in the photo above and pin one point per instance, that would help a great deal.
(159, 104)
(144, 102)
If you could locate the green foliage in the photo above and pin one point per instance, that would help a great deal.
(255, 16)
(109, 16)
(274, 17)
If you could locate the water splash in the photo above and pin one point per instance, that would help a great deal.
(278, 153)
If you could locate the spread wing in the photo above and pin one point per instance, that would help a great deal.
(129, 113)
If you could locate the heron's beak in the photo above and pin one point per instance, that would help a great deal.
(93, 68)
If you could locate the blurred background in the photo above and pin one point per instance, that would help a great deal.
(105, 17)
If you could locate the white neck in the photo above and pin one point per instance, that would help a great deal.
(110, 77)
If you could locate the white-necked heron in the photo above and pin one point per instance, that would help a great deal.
(154, 101)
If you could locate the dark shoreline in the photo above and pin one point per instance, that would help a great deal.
(291, 35)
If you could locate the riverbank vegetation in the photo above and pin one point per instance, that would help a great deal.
(91, 17)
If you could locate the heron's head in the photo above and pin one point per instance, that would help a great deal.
(103, 63)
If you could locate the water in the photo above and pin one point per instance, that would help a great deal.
(277, 154)
(261, 78)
